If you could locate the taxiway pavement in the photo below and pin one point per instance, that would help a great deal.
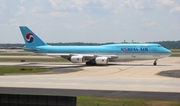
(123, 77)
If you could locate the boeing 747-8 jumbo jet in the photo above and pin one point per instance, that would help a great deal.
(95, 54)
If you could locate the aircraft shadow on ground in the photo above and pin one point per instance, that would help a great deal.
(83, 65)
(170, 73)
(78, 67)
(136, 65)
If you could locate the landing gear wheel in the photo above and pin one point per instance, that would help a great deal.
(90, 63)
(154, 63)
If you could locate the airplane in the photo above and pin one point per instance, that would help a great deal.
(3, 50)
(95, 55)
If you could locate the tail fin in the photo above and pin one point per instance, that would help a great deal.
(30, 38)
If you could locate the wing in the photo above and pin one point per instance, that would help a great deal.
(86, 56)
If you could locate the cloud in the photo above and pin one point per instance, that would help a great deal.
(143, 4)
(161, 3)
(21, 1)
(106, 3)
(119, 5)
(175, 10)
(12, 20)
(2, 5)
(58, 14)
(166, 2)
(66, 25)
(68, 4)
(87, 24)
(152, 24)
(60, 4)
(113, 5)
(20, 11)
(38, 1)
(175, 26)
(115, 11)
(36, 9)
(133, 4)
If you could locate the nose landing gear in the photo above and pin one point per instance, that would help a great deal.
(155, 62)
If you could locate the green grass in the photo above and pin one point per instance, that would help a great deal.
(19, 54)
(102, 101)
(15, 69)
(175, 55)
(175, 50)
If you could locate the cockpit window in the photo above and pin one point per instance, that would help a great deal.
(159, 46)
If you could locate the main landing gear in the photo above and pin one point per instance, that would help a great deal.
(155, 62)
(90, 63)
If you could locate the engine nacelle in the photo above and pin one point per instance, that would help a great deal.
(101, 60)
(77, 59)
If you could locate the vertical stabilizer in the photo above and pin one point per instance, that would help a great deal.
(30, 38)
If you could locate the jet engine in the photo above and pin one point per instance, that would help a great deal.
(101, 60)
(77, 59)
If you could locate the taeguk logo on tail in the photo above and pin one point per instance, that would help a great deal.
(29, 37)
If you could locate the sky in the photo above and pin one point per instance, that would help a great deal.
(97, 21)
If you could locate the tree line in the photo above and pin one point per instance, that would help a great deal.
(166, 44)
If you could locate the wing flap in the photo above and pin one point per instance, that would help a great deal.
(59, 55)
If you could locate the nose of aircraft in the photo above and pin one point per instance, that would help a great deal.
(168, 52)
